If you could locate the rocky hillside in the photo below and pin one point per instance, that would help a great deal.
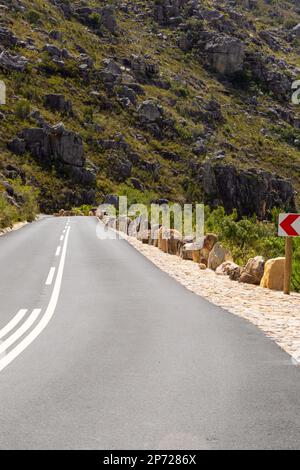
(178, 100)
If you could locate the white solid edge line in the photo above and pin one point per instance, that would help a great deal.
(5, 361)
(21, 314)
(50, 276)
(20, 331)
(58, 251)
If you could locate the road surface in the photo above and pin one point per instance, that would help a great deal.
(101, 350)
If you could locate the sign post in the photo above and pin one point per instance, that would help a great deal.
(288, 267)
(289, 227)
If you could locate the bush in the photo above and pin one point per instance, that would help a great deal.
(22, 109)
(248, 237)
(28, 205)
(8, 213)
(33, 16)
(95, 20)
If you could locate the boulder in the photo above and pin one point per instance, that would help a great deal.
(144, 70)
(162, 240)
(53, 50)
(225, 54)
(144, 236)
(109, 19)
(191, 251)
(7, 38)
(296, 30)
(271, 73)
(273, 277)
(228, 268)
(12, 62)
(218, 256)
(199, 251)
(149, 111)
(56, 35)
(253, 271)
(174, 241)
(57, 102)
(66, 146)
(210, 240)
(168, 12)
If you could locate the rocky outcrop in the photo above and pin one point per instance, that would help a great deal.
(143, 69)
(12, 62)
(57, 102)
(168, 12)
(225, 54)
(7, 38)
(108, 19)
(55, 145)
(249, 191)
(272, 74)
(273, 277)
(98, 18)
(150, 112)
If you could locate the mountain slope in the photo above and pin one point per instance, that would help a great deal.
(163, 99)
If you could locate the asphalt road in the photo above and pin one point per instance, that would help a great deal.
(112, 353)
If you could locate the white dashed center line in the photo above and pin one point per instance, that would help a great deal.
(50, 276)
(58, 251)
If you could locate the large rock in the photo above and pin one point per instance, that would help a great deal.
(273, 277)
(253, 271)
(218, 256)
(109, 19)
(98, 18)
(225, 54)
(271, 73)
(296, 30)
(205, 246)
(168, 12)
(66, 146)
(149, 111)
(228, 268)
(249, 191)
(55, 145)
(190, 251)
(12, 62)
(199, 251)
(7, 38)
(57, 102)
(143, 69)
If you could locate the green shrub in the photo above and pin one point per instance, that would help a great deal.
(22, 109)
(248, 237)
(95, 20)
(8, 213)
(33, 16)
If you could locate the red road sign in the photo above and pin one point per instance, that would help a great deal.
(289, 225)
